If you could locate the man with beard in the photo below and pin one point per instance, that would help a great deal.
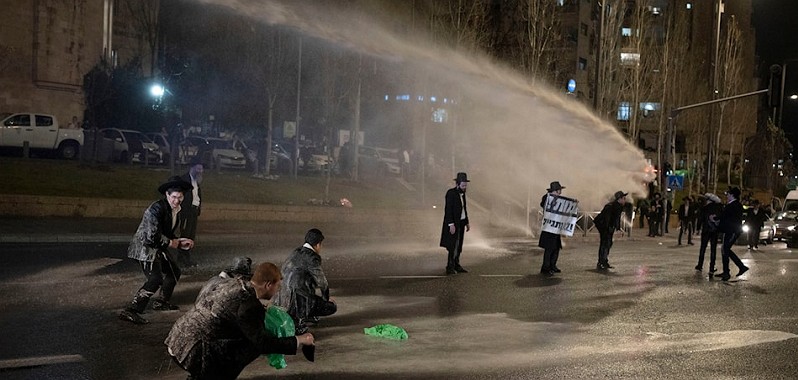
(191, 208)
(550, 242)
(455, 223)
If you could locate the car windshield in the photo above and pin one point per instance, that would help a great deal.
(132, 136)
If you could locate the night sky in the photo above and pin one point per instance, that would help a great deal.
(776, 23)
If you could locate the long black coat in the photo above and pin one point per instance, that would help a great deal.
(188, 212)
(609, 219)
(154, 232)
(548, 240)
(452, 211)
(302, 275)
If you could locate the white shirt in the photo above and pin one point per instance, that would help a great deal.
(195, 199)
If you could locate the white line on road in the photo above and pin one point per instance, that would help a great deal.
(39, 361)
(501, 275)
(388, 277)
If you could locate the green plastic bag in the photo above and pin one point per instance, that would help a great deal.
(386, 331)
(278, 324)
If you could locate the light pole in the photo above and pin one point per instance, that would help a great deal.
(781, 92)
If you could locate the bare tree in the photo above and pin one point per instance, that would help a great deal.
(144, 14)
(541, 44)
(611, 18)
(731, 83)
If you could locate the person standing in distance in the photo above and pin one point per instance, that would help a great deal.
(190, 209)
(150, 247)
(607, 222)
(455, 223)
(551, 243)
(731, 224)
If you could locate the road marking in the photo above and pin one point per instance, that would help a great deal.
(39, 361)
(788, 260)
(393, 277)
(501, 275)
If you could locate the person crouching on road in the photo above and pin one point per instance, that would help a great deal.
(156, 233)
(303, 275)
(224, 332)
(607, 222)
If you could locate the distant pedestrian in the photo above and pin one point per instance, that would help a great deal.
(709, 231)
(550, 242)
(303, 277)
(191, 208)
(668, 208)
(655, 215)
(755, 221)
(607, 222)
(455, 223)
(686, 215)
(156, 234)
(224, 332)
(642, 207)
(731, 223)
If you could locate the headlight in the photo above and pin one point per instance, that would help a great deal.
(746, 228)
(790, 228)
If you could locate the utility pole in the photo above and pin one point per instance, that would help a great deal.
(713, 112)
(296, 128)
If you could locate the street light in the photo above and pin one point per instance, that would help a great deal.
(157, 91)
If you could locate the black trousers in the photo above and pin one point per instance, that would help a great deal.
(221, 359)
(753, 237)
(708, 238)
(728, 254)
(686, 226)
(455, 250)
(162, 273)
(188, 230)
(550, 256)
(605, 243)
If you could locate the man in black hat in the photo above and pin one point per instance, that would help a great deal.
(607, 222)
(731, 225)
(455, 223)
(156, 233)
(190, 209)
(550, 242)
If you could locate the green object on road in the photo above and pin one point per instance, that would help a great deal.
(386, 331)
(278, 324)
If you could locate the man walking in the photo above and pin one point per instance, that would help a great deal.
(190, 209)
(455, 223)
(156, 233)
(731, 224)
(607, 222)
(709, 232)
(550, 242)
(686, 214)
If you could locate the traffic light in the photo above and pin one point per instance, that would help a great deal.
(774, 87)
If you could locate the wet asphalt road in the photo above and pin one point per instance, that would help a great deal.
(653, 316)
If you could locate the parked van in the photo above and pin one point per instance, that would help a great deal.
(791, 201)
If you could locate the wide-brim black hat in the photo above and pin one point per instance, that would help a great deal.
(554, 186)
(620, 194)
(462, 177)
(175, 182)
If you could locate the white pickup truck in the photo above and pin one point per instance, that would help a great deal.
(42, 132)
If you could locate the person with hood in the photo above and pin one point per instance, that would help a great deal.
(550, 242)
(224, 332)
(607, 222)
(303, 276)
(731, 225)
(709, 231)
(156, 234)
(455, 223)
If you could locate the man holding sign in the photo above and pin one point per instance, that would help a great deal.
(559, 217)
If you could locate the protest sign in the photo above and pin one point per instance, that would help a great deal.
(560, 215)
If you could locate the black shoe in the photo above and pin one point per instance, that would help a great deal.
(608, 266)
(163, 306)
(724, 277)
(460, 269)
(712, 270)
(556, 270)
(690, 243)
(450, 271)
(132, 316)
(698, 268)
(544, 270)
(600, 266)
(742, 270)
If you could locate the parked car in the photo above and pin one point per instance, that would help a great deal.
(41, 132)
(379, 161)
(221, 151)
(314, 159)
(785, 221)
(130, 146)
(162, 140)
(766, 235)
(280, 160)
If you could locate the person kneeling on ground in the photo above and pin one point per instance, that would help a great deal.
(303, 275)
(224, 332)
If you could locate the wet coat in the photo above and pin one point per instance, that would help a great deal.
(302, 275)
(452, 212)
(189, 212)
(154, 232)
(548, 240)
(224, 331)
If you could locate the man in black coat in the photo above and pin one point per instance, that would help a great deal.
(190, 209)
(709, 231)
(607, 222)
(551, 243)
(755, 221)
(455, 223)
(731, 224)
(686, 216)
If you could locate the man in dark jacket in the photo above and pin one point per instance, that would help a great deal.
(224, 332)
(607, 222)
(686, 216)
(755, 221)
(551, 243)
(709, 231)
(303, 275)
(156, 233)
(655, 215)
(731, 224)
(191, 208)
(455, 223)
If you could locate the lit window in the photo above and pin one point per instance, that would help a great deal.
(689, 5)
(433, 99)
(386, 98)
(624, 111)
(402, 97)
(420, 98)
(626, 32)
(582, 64)
(439, 115)
(630, 58)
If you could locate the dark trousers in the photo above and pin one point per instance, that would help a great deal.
(162, 273)
(711, 239)
(310, 307)
(653, 225)
(605, 243)
(643, 214)
(220, 360)
(188, 230)
(455, 250)
(550, 256)
(687, 226)
(753, 237)
(728, 254)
